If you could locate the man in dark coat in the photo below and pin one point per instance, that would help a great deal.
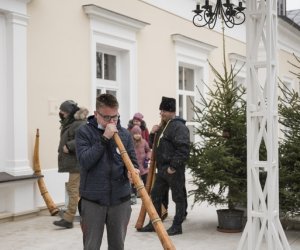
(172, 151)
(104, 186)
(71, 118)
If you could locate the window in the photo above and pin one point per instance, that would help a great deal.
(186, 92)
(186, 96)
(106, 71)
(288, 85)
(238, 62)
(112, 92)
(288, 89)
(113, 56)
(106, 66)
(192, 66)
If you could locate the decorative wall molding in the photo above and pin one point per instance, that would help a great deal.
(97, 12)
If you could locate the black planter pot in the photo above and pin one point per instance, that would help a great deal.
(230, 220)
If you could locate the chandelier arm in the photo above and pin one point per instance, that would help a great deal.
(239, 16)
(197, 21)
(229, 21)
(230, 15)
(212, 21)
(214, 16)
(227, 16)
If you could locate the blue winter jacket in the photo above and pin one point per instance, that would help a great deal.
(103, 175)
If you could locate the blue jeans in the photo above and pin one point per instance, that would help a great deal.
(93, 219)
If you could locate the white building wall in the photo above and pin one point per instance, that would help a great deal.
(57, 63)
(16, 197)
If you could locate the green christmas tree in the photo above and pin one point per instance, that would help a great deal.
(218, 162)
(289, 148)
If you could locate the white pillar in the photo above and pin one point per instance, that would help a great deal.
(16, 162)
(263, 228)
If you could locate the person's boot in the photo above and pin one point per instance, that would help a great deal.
(164, 215)
(185, 215)
(63, 223)
(133, 200)
(174, 229)
(148, 228)
(164, 212)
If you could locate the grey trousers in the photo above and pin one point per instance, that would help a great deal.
(93, 219)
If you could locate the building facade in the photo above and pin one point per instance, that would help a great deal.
(138, 50)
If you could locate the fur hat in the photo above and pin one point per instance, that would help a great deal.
(138, 116)
(168, 104)
(136, 130)
(69, 107)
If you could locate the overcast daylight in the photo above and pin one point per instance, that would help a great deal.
(292, 4)
(197, 102)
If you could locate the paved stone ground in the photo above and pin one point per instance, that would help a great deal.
(199, 233)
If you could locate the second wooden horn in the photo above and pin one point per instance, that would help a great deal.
(37, 171)
(139, 185)
(149, 182)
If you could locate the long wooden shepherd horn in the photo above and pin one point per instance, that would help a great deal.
(37, 171)
(139, 185)
(149, 182)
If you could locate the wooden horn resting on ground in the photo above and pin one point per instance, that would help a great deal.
(37, 171)
(142, 215)
(139, 185)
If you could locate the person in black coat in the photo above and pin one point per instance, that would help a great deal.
(172, 150)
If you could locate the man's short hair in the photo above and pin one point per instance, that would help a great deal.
(107, 100)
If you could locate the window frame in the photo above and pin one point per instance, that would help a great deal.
(108, 85)
(193, 54)
(117, 33)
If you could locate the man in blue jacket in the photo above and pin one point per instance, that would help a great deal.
(104, 181)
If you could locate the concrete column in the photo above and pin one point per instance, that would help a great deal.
(16, 162)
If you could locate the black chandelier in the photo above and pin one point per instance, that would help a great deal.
(230, 14)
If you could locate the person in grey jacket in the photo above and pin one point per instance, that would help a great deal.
(172, 151)
(105, 182)
(71, 118)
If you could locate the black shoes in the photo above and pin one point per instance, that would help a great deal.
(164, 215)
(185, 215)
(148, 228)
(63, 223)
(174, 230)
(133, 200)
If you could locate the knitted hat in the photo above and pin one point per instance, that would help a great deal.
(168, 104)
(136, 130)
(69, 107)
(138, 116)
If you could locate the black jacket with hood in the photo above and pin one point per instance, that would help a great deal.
(103, 175)
(173, 146)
